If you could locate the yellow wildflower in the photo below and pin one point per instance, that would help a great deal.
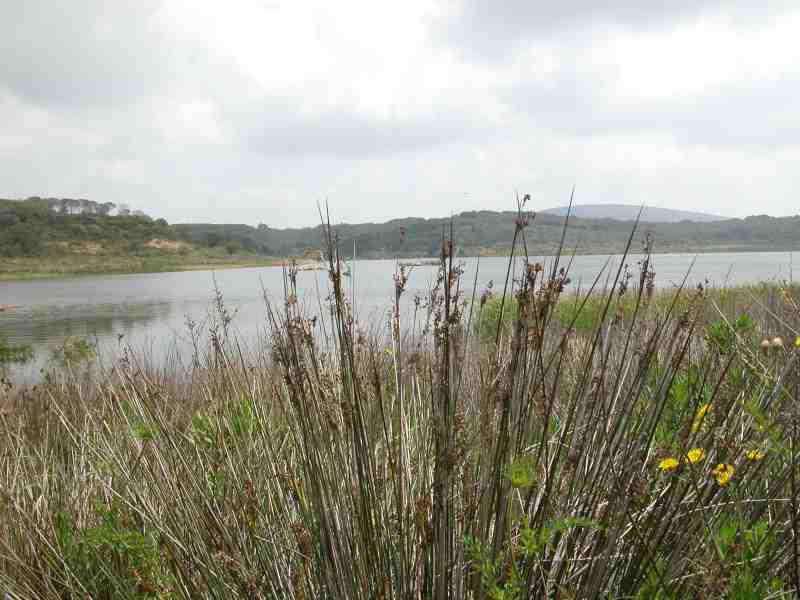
(698, 418)
(723, 473)
(797, 342)
(668, 464)
(754, 455)
(695, 455)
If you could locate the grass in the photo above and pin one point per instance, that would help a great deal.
(152, 262)
(583, 313)
(13, 353)
(650, 452)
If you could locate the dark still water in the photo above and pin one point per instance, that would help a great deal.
(149, 311)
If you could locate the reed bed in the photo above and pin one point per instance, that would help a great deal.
(646, 451)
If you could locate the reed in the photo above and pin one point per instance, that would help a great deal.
(648, 452)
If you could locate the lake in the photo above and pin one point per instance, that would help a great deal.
(150, 311)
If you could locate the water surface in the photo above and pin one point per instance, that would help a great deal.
(151, 310)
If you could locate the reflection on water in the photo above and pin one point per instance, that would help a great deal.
(49, 325)
(46, 328)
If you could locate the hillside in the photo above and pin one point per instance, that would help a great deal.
(38, 240)
(32, 228)
(35, 239)
(489, 232)
(628, 212)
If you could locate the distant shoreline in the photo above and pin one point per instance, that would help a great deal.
(35, 269)
(78, 266)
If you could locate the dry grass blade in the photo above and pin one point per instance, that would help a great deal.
(621, 442)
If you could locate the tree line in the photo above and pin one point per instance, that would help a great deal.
(490, 232)
(32, 227)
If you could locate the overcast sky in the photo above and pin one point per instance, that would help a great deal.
(253, 110)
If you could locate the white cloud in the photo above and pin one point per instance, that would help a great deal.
(702, 57)
(420, 108)
(190, 121)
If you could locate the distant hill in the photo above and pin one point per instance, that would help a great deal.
(627, 212)
(62, 227)
(45, 237)
(490, 233)
(38, 228)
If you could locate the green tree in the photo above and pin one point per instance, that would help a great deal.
(233, 246)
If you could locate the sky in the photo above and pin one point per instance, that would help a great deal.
(254, 111)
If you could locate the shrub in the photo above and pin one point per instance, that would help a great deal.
(112, 558)
(488, 317)
(232, 246)
(415, 464)
(14, 353)
(73, 351)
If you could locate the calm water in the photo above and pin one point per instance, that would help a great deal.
(150, 310)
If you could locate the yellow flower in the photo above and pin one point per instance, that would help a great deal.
(797, 342)
(723, 473)
(696, 455)
(668, 464)
(754, 455)
(698, 418)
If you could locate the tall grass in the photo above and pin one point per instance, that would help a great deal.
(649, 452)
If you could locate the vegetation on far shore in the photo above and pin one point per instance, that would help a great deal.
(37, 241)
(67, 266)
(623, 443)
(13, 353)
(489, 233)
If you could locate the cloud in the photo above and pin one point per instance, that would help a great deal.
(273, 128)
(493, 30)
(425, 107)
(740, 114)
(81, 54)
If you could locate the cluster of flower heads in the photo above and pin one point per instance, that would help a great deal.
(754, 455)
(671, 463)
(723, 472)
(777, 342)
(769, 344)
(695, 455)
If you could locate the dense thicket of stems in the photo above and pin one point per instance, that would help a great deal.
(647, 452)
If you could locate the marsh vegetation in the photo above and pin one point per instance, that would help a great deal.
(519, 442)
